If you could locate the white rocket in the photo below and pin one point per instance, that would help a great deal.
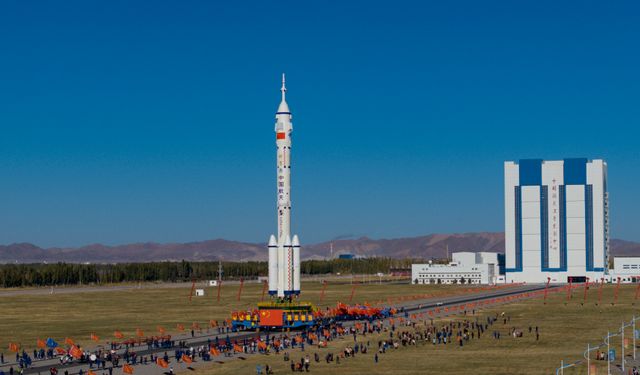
(284, 251)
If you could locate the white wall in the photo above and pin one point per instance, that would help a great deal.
(553, 178)
(464, 257)
(530, 228)
(485, 257)
(511, 180)
(596, 176)
(626, 266)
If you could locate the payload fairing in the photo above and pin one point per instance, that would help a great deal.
(284, 251)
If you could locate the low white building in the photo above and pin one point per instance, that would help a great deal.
(626, 268)
(465, 268)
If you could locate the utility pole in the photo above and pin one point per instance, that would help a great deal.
(633, 322)
(219, 271)
(588, 361)
(622, 356)
(608, 354)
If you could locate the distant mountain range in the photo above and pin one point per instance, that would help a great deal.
(425, 247)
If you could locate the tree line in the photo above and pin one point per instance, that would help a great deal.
(24, 275)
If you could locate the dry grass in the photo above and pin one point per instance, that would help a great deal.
(565, 328)
(565, 331)
(28, 317)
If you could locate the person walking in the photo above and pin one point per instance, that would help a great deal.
(376, 357)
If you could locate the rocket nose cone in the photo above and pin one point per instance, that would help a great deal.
(295, 242)
(287, 241)
(283, 108)
(272, 241)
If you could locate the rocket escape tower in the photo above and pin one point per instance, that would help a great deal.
(284, 311)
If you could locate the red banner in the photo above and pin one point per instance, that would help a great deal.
(271, 317)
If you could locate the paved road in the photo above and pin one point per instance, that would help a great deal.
(43, 366)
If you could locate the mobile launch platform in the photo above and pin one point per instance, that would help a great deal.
(276, 315)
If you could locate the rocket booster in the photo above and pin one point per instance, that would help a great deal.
(284, 251)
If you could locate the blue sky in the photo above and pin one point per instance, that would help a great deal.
(126, 121)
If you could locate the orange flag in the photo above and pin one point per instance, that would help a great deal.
(195, 325)
(69, 341)
(180, 327)
(118, 335)
(186, 359)
(162, 363)
(90, 372)
(94, 337)
(238, 348)
(127, 369)
(213, 323)
(139, 332)
(14, 347)
(299, 339)
(214, 352)
(60, 351)
(75, 352)
(262, 345)
(42, 344)
(161, 330)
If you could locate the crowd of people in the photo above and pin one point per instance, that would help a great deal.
(395, 335)
(390, 334)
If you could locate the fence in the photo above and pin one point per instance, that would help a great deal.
(610, 354)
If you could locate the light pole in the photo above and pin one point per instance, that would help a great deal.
(633, 324)
(588, 363)
(622, 356)
(608, 357)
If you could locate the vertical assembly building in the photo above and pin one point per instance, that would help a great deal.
(556, 220)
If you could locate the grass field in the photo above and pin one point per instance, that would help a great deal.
(28, 317)
(565, 330)
(565, 327)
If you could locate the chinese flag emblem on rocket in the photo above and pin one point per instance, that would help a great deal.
(271, 317)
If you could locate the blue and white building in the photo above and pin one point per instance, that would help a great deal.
(556, 220)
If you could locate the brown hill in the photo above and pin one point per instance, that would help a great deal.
(426, 247)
